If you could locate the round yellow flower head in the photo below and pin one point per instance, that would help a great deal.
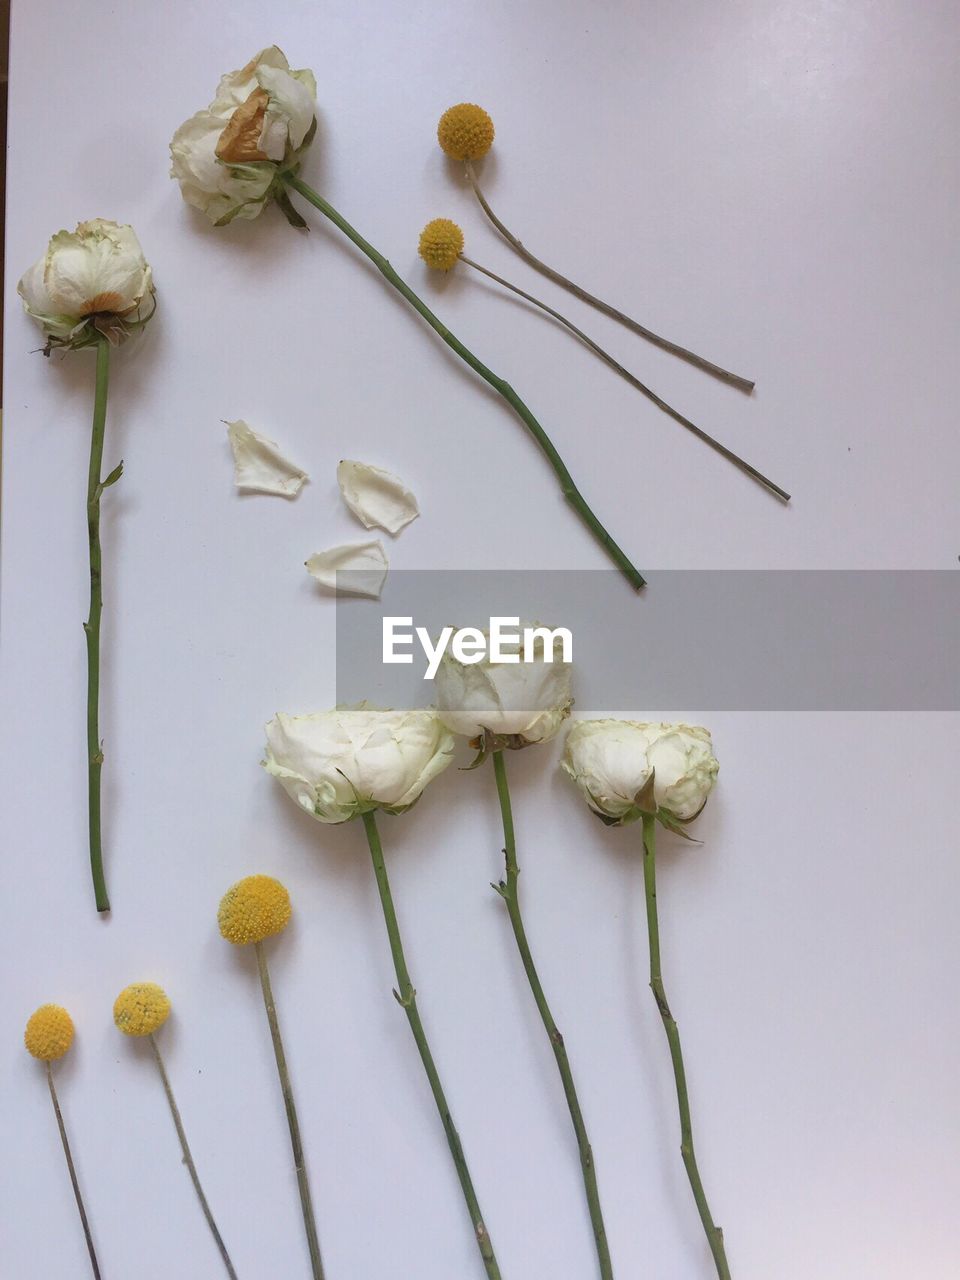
(254, 908)
(441, 243)
(141, 1008)
(465, 131)
(49, 1033)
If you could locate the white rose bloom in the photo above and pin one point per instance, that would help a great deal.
(338, 764)
(91, 281)
(611, 762)
(226, 158)
(519, 704)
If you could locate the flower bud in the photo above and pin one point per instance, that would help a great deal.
(613, 762)
(341, 763)
(227, 158)
(90, 282)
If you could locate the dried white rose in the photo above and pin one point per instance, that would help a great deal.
(91, 281)
(612, 762)
(513, 704)
(351, 760)
(376, 497)
(227, 158)
(357, 568)
(258, 464)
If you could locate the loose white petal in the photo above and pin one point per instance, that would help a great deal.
(358, 569)
(259, 466)
(376, 497)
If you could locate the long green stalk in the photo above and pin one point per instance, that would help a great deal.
(188, 1158)
(95, 487)
(407, 998)
(569, 489)
(71, 1169)
(508, 890)
(713, 1232)
(306, 1204)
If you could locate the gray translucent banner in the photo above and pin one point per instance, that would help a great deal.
(819, 640)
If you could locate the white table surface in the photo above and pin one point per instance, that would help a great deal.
(774, 184)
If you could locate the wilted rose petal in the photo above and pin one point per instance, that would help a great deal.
(259, 466)
(358, 568)
(376, 497)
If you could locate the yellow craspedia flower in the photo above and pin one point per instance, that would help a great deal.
(441, 243)
(49, 1033)
(254, 908)
(141, 1008)
(465, 131)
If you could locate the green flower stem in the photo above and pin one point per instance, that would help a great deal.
(188, 1158)
(508, 890)
(87, 1234)
(713, 1232)
(407, 997)
(95, 487)
(569, 489)
(635, 382)
(309, 1221)
(724, 375)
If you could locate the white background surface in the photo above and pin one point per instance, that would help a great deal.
(773, 184)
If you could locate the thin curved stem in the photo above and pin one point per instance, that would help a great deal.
(87, 1234)
(406, 997)
(95, 487)
(733, 379)
(714, 1233)
(509, 892)
(503, 388)
(188, 1158)
(306, 1204)
(633, 380)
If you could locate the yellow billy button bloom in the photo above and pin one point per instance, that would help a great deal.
(49, 1033)
(48, 1036)
(465, 132)
(251, 910)
(441, 243)
(140, 1010)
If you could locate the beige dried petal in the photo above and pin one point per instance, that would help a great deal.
(240, 141)
(378, 498)
(259, 466)
(357, 568)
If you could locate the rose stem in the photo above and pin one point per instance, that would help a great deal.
(309, 1220)
(509, 892)
(714, 1233)
(567, 486)
(73, 1174)
(188, 1158)
(95, 487)
(733, 379)
(406, 996)
(634, 381)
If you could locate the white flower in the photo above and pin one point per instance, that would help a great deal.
(227, 158)
(91, 281)
(258, 464)
(356, 568)
(506, 704)
(348, 761)
(376, 497)
(612, 761)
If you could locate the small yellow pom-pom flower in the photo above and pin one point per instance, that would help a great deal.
(141, 1008)
(49, 1033)
(441, 243)
(465, 131)
(254, 908)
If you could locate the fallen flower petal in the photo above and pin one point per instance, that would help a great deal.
(259, 466)
(378, 498)
(358, 568)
